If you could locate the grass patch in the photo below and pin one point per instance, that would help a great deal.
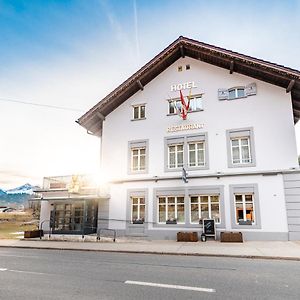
(15, 222)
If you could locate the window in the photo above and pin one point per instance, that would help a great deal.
(190, 152)
(179, 69)
(244, 206)
(196, 104)
(205, 207)
(175, 156)
(196, 154)
(187, 67)
(137, 210)
(138, 156)
(244, 209)
(240, 144)
(171, 209)
(240, 148)
(138, 159)
(236, 93)
(139, 112)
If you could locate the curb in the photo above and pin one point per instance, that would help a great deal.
(288, 258)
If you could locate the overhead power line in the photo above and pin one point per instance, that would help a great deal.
(41, 105)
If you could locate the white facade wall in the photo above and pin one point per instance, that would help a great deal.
(269, 113)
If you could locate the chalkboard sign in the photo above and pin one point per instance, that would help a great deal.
(209, 227)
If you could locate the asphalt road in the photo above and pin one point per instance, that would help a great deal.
(63, 274)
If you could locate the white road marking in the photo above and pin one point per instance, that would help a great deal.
(28, 272)
(19, 271)
(171, 286)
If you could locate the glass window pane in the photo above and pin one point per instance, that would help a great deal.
(194, 213)
(162, 213)
(171, 108)
(180, 159)
(192, 146)
(142, 151)
(171, 199)
(142, 163)
(179, 147)
(135, 200)
(204, 211)
(192, 158)
(232, 94)
(142, 200)
(241, 93)
(238, 198)
(142, 111)
(194, 199)
(171, 148)
(249, 212)
(135, 163)
(235, 155)
(204, 199)
(134, 212)
(234, 142)
(248, 198)
(171, 211)
(172, 160)
(180, 199)
(201, 157)
(245, 154)
(180, 213)
(142, 212)
(162, 200)
(136, 112)
(215, 212)
(239, 212)
(245, 142)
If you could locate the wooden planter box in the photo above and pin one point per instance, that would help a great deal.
(187, 237)
(231, 237)
(33, 234)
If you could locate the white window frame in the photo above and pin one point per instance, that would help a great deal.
(240, 147)
(139, 204)
(244, 202)
(209, 207)
(176, 155)
(139, 107)
(167, 208)
(139, 158)
(197, 164)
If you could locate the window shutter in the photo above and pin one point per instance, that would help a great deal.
(223, 94)
(250, 89)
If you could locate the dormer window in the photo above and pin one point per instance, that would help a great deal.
(139, 112)
(235, 93)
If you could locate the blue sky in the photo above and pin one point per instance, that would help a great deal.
(72, 53)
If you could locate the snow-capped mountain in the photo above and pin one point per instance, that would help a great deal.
(18, 195)
(23, 189)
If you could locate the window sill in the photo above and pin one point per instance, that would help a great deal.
(138, 119)
(231, 165)
(194, 111)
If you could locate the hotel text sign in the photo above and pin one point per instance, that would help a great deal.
(183, 127)
(183, 86)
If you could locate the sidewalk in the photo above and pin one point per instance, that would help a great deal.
(267, 250)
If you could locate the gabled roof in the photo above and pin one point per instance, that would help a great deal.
(275, 74)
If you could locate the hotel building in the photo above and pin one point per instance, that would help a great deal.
(200, 132)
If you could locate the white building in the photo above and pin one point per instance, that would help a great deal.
(233, 133)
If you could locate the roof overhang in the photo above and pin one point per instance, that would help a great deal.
(275, 74)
